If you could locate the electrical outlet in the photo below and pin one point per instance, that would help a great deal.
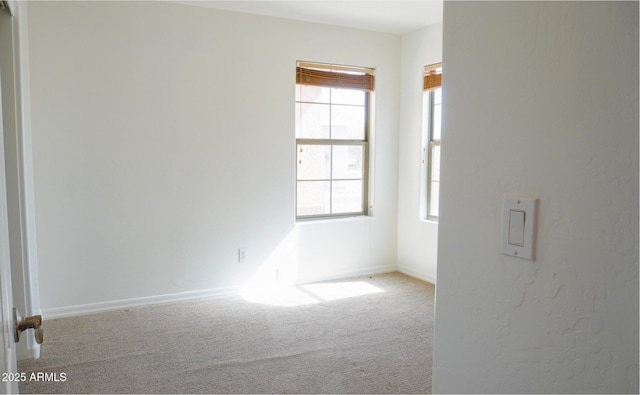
(242, 255)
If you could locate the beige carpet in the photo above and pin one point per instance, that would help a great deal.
(363, 335)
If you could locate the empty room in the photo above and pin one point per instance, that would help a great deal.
(319, 197)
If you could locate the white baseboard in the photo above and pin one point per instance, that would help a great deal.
(417, 274)
(70, 311)
(380, 269)
(34, 351)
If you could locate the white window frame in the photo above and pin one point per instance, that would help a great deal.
(429, 145)
(335, 142)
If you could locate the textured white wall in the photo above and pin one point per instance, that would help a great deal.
(417, 239)
(541, 99)
(163, 140)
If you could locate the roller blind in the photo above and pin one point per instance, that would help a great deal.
(336, 77)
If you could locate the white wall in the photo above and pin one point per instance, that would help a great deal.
(417, 238)
(163, 140)
(541, 99)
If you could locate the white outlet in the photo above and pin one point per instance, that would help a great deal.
(242, 255)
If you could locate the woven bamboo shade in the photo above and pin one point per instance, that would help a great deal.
(432, 81)
(334, 79)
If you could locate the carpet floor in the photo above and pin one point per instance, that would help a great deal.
(369, 334)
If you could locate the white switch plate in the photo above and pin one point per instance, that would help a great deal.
(519, 223)
(517, 219)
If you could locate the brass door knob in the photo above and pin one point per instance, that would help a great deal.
(21, 324)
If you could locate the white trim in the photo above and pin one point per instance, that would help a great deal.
(380, 269)
(34, 351)
(29, 261)
(7, 344)
(336, 67)
(90, 308)
(417, 274)
(432, 67)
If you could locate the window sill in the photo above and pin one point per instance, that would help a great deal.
(324, 220)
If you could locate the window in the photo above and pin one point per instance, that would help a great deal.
(432, 116)
(332, 139)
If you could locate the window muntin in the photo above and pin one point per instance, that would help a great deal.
(332, 146)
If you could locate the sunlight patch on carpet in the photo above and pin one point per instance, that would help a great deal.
(335, 291)
(299, 295)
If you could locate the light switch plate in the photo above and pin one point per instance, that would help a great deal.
(519, 223)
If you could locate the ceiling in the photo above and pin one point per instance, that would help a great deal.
(389, 16)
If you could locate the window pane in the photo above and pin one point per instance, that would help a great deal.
(314, 162)
(347, 96)
(347, 161)
(437, 96)
(426, 108)
(434, 193)
(437, 122)
(313, 198)
(347, 122)
(314, 94)
(312, 120)
(347, 197)
(435, 163)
